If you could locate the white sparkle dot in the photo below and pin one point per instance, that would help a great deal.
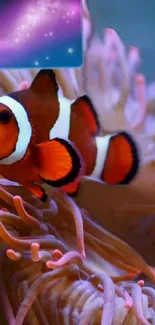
(36, 63)
(47, 57)
(70, 50)
(50, 33)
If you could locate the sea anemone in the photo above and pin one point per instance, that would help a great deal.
(45, 280)
(61, 263)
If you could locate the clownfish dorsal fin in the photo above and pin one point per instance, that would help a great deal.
(86, 108)
(45, 83)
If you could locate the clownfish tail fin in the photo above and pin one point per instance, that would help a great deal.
(118, 158)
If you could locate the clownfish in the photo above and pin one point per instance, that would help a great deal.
(46, 138)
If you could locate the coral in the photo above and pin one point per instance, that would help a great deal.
(45, 280)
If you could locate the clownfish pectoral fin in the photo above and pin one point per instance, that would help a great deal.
(59, 162)
(45, 83)
(36, 190)
(71, 189)
(117, 160)
(86, 109)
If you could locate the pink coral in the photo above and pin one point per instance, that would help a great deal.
(34, 242)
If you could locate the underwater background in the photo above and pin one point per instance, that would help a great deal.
(115, 284)
(134, 21)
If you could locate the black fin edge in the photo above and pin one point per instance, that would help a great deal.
(76, 166)
(44, 196)
(87, 99)
(136, 160)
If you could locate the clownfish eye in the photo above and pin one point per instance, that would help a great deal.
(5, 117)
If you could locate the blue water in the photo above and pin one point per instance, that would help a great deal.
(134, 20)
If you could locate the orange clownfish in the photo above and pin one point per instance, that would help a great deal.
(46, 138)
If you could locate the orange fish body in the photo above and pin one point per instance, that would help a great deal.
(46, 138)
(41, 117)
